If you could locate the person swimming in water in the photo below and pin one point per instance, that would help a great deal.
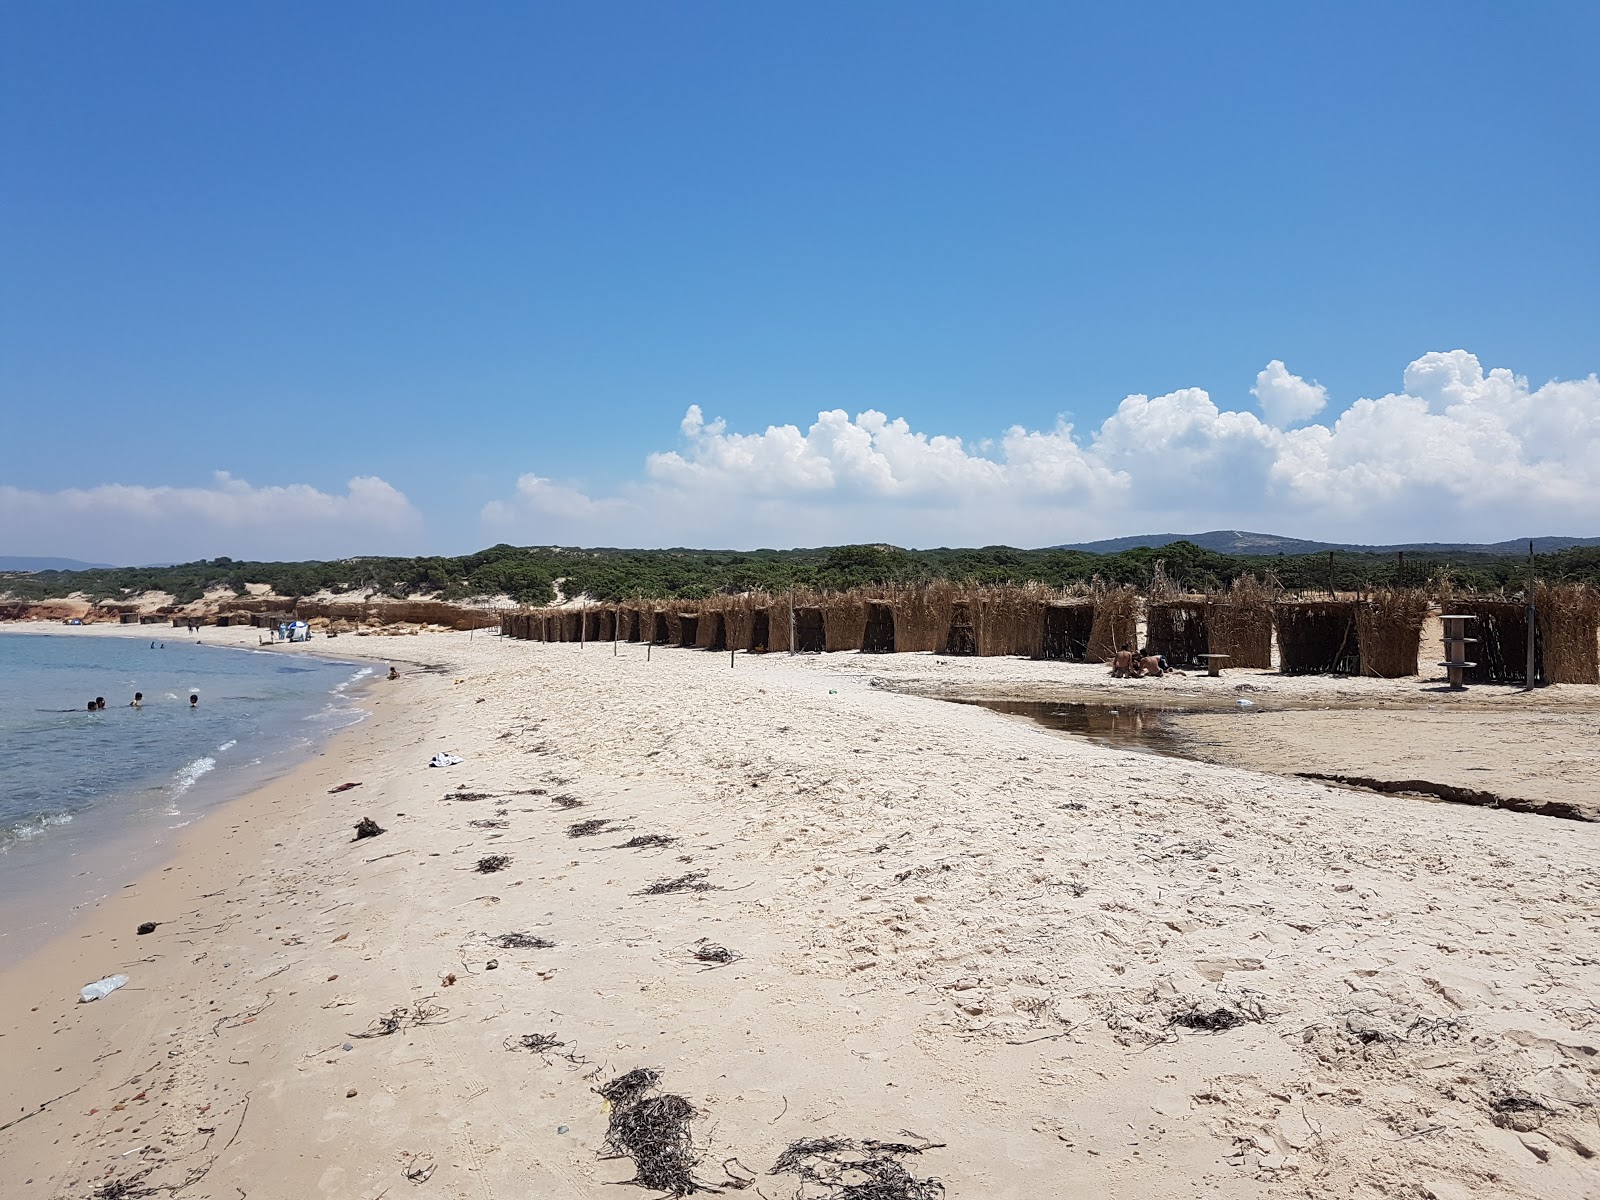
(99, 701)
(137, 701)
(194, 700)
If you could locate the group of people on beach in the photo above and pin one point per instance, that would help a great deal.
(1131, 665)
(99, 702)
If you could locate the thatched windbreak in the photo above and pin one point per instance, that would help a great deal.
(569, 626)
(1177, 629)
(844, 619)
(628, 624)
(759, 638)
(663, 627)
(1066, 631)
(1568, 616)
(1389, 630)
(922, 617)
(1239, 623)
(688, 629)
(961, 639)
(1010, 620)
(878, 636)
(1116, 622)
(1317, 637)
(608, 625)
(713, 630)
(591, 625)
(1500, 653)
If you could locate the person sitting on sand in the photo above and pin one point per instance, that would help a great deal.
(137, 701)
(393, 674)
(1122, 667)
(1153, 664)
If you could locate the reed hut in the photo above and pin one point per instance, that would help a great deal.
(713, 631)
(1067, 629)
(922, 617)
(1317, 637)
(878, 635)
(628, 624)
(591, 625)
(1178, 629)
(1239, 623)
(810, 629)
(1116, 621)
(1500, 654)
(844, 619)
(688, 629)
(1010, 621)
(569, 625)
(1568, 616)
(1389, 631)
(961, 639)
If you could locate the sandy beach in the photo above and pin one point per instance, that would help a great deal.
(1053, 968)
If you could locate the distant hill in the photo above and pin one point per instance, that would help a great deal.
(1236, 541)
(23, 563)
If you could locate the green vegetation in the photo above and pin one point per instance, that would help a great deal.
(529, 574)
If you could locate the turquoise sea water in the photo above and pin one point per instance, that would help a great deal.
(72, 781)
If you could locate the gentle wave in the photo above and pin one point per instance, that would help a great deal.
(32, 828)
(190, 775)
(228, 745)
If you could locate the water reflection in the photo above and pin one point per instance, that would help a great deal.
(1137, 727)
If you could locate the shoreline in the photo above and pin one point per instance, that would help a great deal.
(942, 920)
(122, 844)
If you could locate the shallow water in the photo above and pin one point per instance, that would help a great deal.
(74, 783)
(1141, 728)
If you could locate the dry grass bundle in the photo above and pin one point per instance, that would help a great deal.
(1389, 630)
(1500, 653)
(1239, 623)
(1317, 637)
(1010, 620)
(1116, 621)
(922, 616)
(651, 1130)
(1568, 615)
(1067, 628)
(1177, 628)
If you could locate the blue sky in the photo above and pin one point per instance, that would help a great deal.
(484, 259)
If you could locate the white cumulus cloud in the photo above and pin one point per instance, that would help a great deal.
(134, 523)
(1460, 453)
(1286, 398)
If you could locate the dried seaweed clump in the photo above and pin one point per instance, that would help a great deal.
(539, 1043)
(710, 952)
(125, 1187)
(367, 827)
(566, 801)
(647, 841)
(423, 1012)
(523, 941)
(653, 1131)
(693, 881)
(588, 828)
(1216, 1019)
(490, 823)
(490, 863)
(468, 796)
(850, 1170)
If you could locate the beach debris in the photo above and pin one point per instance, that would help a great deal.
(715, 955)
(418, 1168)
(858, 1170)
(492, 965)
(445, 760)
(566, 801)
(343, 787)
(588, 828)
(448, 980)
(101, 988)
(125, 1187)
(351, 1094)
(147, 927)
(647, 841)
(522, 941)
(693, 881)
(490, 863)
(489, 823)
(422, 1012)
(539, 1043)
(1216, 1019)
(468, 796)
(1519, 1111)
(366, 828)
(653, 1130)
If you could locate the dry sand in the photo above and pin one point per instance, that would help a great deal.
(951, 923)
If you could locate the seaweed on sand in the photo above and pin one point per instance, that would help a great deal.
(653, 1130)
(490, 863)
(846, 1169)
(522, 941)
(693, 881)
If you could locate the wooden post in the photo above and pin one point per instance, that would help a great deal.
(1533, 620)
(730, 660)
(1331, 592)
(791, 620)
